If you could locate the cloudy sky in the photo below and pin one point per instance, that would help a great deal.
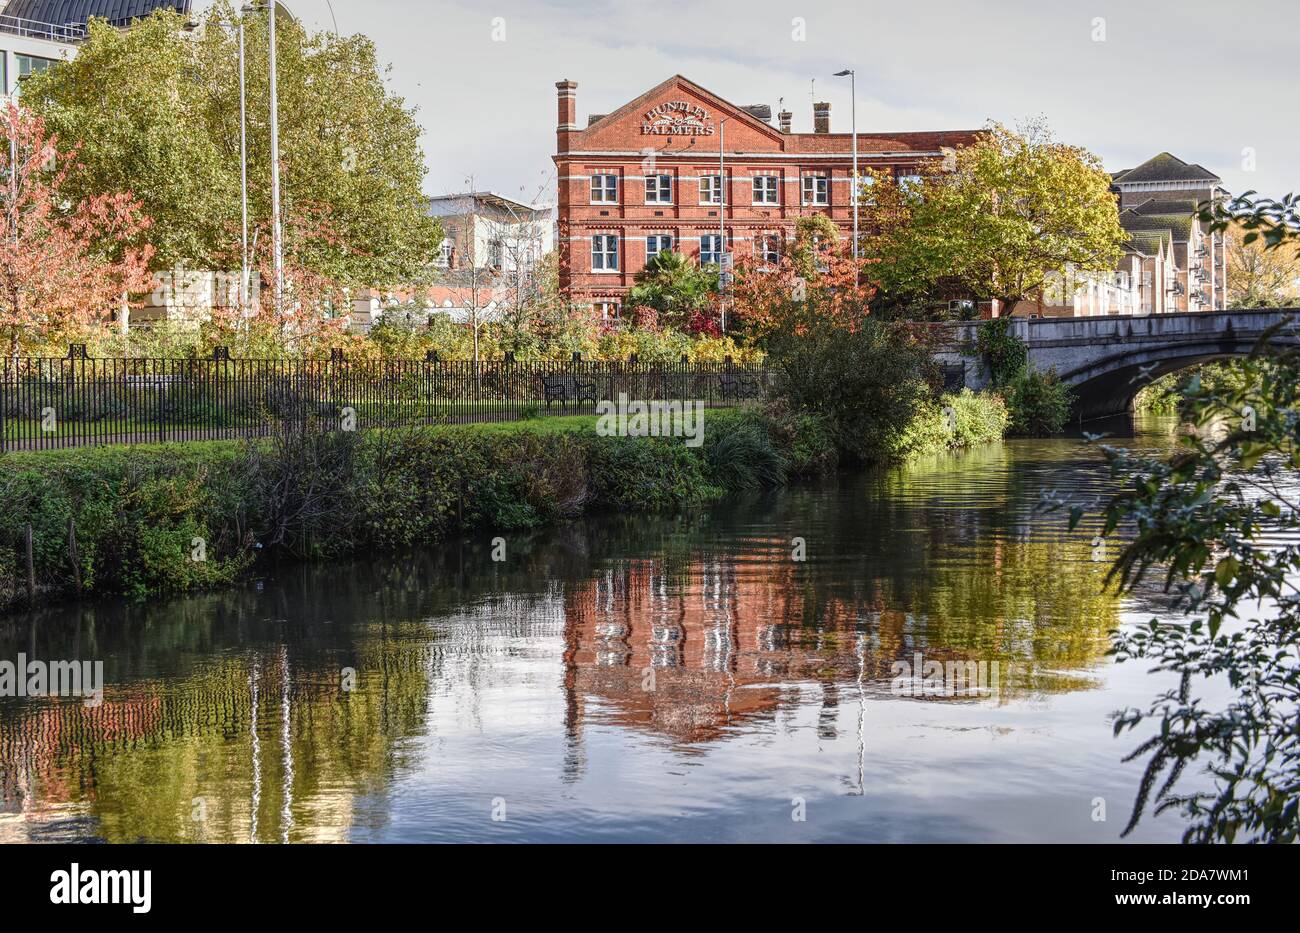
(1212, 82)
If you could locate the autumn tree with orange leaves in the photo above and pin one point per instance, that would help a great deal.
(816, 281)
(64, 265)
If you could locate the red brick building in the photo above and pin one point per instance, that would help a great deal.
(645, 178)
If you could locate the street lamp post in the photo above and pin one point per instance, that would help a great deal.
(722, 219)
(277, 230)
(853, 91)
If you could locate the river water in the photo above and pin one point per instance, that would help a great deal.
(933, 669)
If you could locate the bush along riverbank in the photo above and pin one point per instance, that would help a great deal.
(1038, 403)
(148, 520)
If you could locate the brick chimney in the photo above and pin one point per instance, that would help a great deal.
(567, 98)
(784, 118)
(821, 117)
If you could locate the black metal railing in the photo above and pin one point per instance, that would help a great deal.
(78, 400)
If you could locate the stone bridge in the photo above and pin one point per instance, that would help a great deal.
(1107, 359)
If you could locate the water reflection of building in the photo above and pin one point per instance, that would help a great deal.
(692, 655)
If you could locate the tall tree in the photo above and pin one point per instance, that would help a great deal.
(1005, 218)
(1259, 277)
(66, 262)
(157, 107)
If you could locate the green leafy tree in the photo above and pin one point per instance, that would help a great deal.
(156, 111)
(865, 381)
(1219, 522)
(1002, 220)
(674, 286)
(816, 237)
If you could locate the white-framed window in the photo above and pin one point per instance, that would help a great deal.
(496, 253)
(768, 248)
(604, 189)
(910, 182)
(710, 249)
(867, 189)
(659, 189)
(445, 248)
(604, 253)
(816, 188)
(657, 243)
(608, 310)
(767, 189)
(710, 189)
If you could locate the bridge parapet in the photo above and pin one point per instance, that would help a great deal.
(1084, 350)
(1192, 325)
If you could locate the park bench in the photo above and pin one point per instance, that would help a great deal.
(149, 382)
(566, 387)
(739, 385)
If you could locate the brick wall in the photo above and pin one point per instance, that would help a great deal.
(676, 129)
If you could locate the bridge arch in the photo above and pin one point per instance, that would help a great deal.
(1104, 359)
(1108, 386)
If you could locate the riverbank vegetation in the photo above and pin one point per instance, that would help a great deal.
(1165, 396)
(1038, 403)
(167, 518)
(144, 520)
(846, 389)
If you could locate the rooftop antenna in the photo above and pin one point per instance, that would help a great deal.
(812, 92)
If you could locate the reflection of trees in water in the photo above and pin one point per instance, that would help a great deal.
(264, 742)
(235, 698)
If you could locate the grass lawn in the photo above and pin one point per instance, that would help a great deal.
(546, 425)
(556, 424)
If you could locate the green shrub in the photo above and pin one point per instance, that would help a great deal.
(308, 494)
(804, 439)
(741, 453)
(641, 473)
(136, 514)
(1159, 397)
(959, 420)
(1005, 354)
(1039, 403)
(865, 382)
(1164, 396)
